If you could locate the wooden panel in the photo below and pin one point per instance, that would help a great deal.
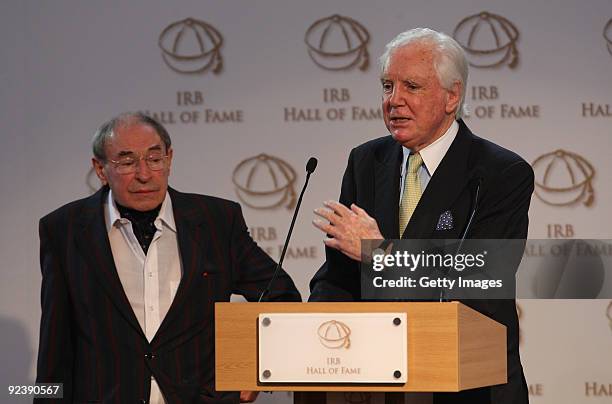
(432, 344)
(482, 355)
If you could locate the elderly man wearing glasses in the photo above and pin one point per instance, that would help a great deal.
(131, 275)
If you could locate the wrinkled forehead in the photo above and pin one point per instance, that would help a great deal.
(133, 138)
(411, 58)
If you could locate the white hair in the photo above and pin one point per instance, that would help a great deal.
(450, 62)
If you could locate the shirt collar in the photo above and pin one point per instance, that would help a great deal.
(434, 153)
(166, 215)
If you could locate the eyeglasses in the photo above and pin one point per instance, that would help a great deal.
(128, 164)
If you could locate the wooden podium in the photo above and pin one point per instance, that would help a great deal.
(451, 347)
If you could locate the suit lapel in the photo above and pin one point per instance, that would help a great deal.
(386, 188)
(449, 180)
(95, 248)
(193, 243)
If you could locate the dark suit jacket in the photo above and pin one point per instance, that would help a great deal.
(90, 339)
(372, 181)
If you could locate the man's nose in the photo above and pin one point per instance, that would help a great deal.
(397, 96)
(143, 172)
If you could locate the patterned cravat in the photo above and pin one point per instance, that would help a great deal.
(143, 224)
(412, 191)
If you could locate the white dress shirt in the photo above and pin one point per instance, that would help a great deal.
(432, 156)
(150, 281)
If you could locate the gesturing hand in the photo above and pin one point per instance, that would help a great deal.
(248, 396)
(347, 227)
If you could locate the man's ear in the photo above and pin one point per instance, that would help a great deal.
(99, 167)
(453, 97)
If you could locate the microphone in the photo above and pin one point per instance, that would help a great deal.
(478, 178)
(310, 168)
(469, 223)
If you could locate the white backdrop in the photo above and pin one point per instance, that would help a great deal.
(69, 65)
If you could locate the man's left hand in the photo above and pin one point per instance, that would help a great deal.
(347, 227)
(248, 396)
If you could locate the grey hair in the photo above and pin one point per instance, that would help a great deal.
(106, 130)
(449, 58)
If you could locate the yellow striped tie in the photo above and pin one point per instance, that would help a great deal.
(412, 191)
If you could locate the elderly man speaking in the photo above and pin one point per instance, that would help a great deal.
(418, 184)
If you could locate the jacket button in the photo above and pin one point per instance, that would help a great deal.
(143, 401)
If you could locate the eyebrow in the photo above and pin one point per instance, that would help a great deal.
(124, 153)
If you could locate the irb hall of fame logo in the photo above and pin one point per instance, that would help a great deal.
(489, 40)
(191, 46)
(338, 43)
(265, 182)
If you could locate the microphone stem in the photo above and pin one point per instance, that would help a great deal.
(297, 208)
(467, 227)
(282, 257)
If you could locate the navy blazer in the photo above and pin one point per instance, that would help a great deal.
(372, 181)
(90, 339)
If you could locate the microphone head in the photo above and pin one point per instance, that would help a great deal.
(311, 165)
